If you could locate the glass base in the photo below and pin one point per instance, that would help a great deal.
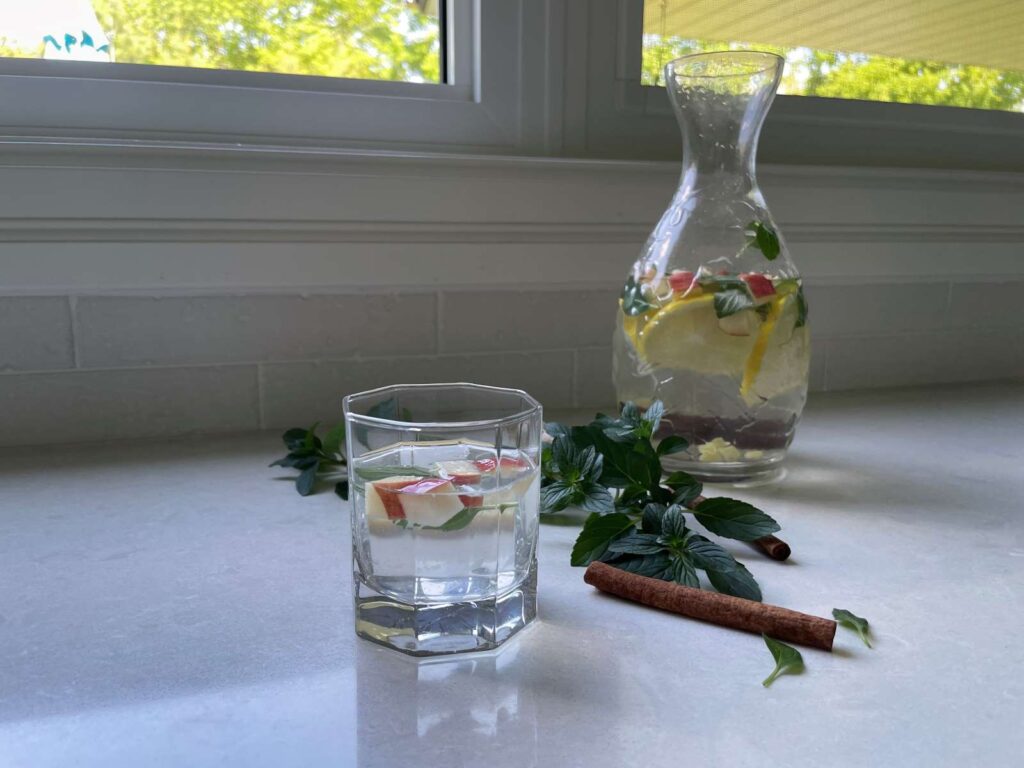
(747, 473)
(434, 629)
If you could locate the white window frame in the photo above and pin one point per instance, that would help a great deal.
(480, 109)
(620, 117)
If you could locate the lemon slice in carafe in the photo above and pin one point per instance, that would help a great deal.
(780, 356)
(685, 334)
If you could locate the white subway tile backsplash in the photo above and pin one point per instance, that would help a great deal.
(986, 304)
(74, 406)
(819, 355)
(300, 393)
(876, 308)
(126, 331)
(594, 379)
(484, 321)
(35, 333)
(938, 357)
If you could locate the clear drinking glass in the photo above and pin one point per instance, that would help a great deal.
(713, 320)
(445, 489)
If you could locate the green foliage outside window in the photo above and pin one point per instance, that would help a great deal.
(855, 76)
(383, 40)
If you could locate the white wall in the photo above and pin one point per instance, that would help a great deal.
(165, 291)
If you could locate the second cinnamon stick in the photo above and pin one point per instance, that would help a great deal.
(725, 610)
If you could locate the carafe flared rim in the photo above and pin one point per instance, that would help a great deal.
(744, 64)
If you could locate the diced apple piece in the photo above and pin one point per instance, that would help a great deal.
(420, 500)
(460, 472)
(683, 282)
(508, 464)
(761, 287)
(742, 323)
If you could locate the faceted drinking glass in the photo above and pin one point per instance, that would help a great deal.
(445, 489)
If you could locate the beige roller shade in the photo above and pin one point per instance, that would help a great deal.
(988, 33)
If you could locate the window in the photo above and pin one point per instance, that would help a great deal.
(959, 54)
(627, 116)
(395, 40)
(418, 75)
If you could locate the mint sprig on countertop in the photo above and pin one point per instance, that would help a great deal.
(639, 518)
(317, 460)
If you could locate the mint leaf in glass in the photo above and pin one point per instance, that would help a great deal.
(732, 300)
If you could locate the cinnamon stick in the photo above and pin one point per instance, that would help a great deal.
(725, 610)
(772, 546)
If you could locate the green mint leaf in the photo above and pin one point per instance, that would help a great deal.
(656, 566)
(311, 441)
(673, 522)
(555, 429)
(734, 519)
(737, 582)
(590, 464)
(854, 622)
(722, 282)
(460, 519)
(341, 489)
(788, 660)
(685, 488)
(651, 520)
(334, 441)
(631, 413)
(305, 482)
(295, 461)
(654, 414)
(766, 240)
(598, 532)
(707, 555)
(596, 498)
(294, 439)
(801, 308)
(672, 444)
(633, 300)
(565, 458)
(557, 496)
(621, 433)
(637, 544)
(633, 496)
(380, 473)
(622, 465)
(732, 300)
(548, 470)
(683, 572)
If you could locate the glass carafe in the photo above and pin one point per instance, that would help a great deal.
(713, 320)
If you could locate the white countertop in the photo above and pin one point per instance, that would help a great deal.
(172, 605)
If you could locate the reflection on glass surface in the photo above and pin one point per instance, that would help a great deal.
(459, 707)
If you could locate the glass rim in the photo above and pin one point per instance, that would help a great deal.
(533, 407)
(775, 60)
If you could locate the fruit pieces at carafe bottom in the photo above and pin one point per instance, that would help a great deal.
(749, 327)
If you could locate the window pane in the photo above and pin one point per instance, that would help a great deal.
(382, 40)
(952, 54)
